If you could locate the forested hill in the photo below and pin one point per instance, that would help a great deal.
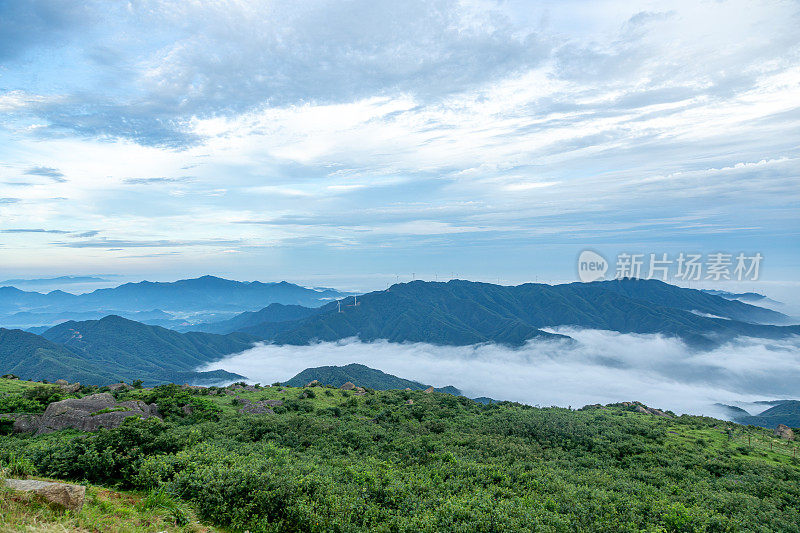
(114, 348)
(463, 312)
(362, 376)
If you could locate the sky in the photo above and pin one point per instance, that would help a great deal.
(359, 143)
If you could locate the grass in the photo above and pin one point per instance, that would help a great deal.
(748, 443)
(18, 386)
(104, 510)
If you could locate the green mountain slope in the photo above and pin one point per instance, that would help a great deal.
(272, 313)
(462, 313)
(152, 353)
(36, 358)
(360, 375)
(786, 412)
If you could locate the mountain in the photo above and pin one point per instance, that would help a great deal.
(361, 376)
(786, 412)
(35, 358)
(272, 313)
(207, 295)
(754, 298)
(783, 412)
(60, 280)
(462, 313)
(134, 350)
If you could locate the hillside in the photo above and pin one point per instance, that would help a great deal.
(33, 357)
(362, 376)
(786, 412)
(462, 313)
(127, 349)
(328, 460)
(272, 313)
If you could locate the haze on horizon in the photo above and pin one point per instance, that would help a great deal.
(342, 143)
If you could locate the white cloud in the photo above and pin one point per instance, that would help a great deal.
(601, 367)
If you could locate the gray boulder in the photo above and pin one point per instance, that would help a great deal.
(63, 494)
(783, 431)
(22, 423)
(91, 413)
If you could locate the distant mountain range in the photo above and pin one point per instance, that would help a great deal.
(164, 303)
(361, 376)
(454, 313)
(782, 412)
(463, 313)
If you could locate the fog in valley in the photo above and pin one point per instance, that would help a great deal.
(598, 367)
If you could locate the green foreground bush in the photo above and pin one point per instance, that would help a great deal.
(443, 463)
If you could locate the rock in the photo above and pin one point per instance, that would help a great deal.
(428, 390)
(61, 382)
(348, 386)
(187, 410)
(239, 386)
(409, 402)
(785, 432)
(119, 386)
(9, 376)
(23, 423)
(260, 408)
(91, 413)
(314, 383)
(640, 409)
(71, 388)
(63, 494)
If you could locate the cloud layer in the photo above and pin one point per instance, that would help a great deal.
(601, 367)
(475, 137)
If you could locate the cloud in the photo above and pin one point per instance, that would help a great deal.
(163, 243)
(84, 234)
(155, 181)
(9, 200)
(48, 172)
(32, 230)
(601, 367)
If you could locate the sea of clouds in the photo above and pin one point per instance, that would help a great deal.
(598, 367)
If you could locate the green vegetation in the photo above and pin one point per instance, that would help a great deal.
(86, 351)
(361, 374)
(464, 313)
(104, 510)
(409, 461)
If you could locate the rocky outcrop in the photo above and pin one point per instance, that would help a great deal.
(22, 423)
(62, 494)
(348, 386)
(314, 383)
(783, 431)
(241, 387)
(641, 408)
(119, 386)
(89, 413)
(261, 407)
(428, 390)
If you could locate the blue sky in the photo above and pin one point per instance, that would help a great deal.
(347, 143)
